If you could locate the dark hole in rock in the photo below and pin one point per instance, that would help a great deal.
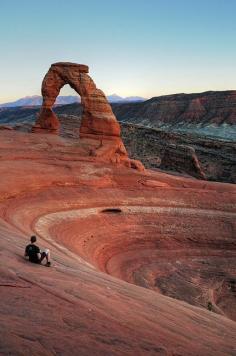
(112, 210)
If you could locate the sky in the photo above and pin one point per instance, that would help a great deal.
(132, 47)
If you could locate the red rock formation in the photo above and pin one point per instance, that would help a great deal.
(171, 238)
(98, 118)
(99, 127)
(199, 110)
(183, 159)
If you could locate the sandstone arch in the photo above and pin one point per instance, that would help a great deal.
(97, 117)
(99, 125)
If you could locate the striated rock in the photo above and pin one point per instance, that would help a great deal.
(217, 158)
(97, 117)
(183, 159)
(99, 128)
(210, 113)
(137, 257)
(47, 120)
(6, 127)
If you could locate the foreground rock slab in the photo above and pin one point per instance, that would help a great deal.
(137, 256)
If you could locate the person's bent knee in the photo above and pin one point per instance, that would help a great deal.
(43, 255)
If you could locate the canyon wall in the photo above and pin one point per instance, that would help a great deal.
(210, 113)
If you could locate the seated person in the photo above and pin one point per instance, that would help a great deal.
(34, 254)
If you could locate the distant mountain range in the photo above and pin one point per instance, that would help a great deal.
(36, 100)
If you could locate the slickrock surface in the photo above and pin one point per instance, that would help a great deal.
(137, 256)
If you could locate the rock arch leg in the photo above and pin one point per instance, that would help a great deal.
(98, 121)
(51, 86)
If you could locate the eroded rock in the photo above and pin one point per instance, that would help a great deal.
(99, 127)
(182, 158)
(97, 118)
(164, 235)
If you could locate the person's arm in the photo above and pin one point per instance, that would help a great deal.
(38, 253)
(26, 253)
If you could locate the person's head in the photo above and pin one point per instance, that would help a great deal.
(33, 239)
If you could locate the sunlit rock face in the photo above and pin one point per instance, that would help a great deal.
(171, 238)
(99, 127)
(98, 117)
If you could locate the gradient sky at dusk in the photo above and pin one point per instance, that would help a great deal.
(133, 47)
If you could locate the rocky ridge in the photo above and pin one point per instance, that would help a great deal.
(210, 113)
(36, 100)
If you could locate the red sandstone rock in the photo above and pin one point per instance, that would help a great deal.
(171, 238)
(97, 119)
(6, 127)
(183, 159)
(99, 127)
(47, 120)
(212, 108)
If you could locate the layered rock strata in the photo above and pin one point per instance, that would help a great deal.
(99, 127)
(182, 159)
(98, 117)
(210, 113)
(171, 238)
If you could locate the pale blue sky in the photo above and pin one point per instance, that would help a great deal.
(133, 47)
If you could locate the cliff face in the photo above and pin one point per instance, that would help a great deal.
(210, 113)
(196, 155)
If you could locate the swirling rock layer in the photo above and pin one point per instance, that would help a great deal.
(171, 238)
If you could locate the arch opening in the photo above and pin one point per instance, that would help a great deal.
(67, 95)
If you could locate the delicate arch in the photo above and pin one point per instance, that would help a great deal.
(97, 115)
(99, 127)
